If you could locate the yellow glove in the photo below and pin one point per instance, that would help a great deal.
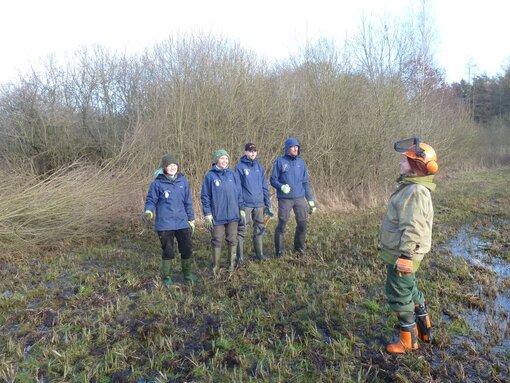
(147, 216)
(311, 207)
(208, 222)
(285, 189)
(192, 226)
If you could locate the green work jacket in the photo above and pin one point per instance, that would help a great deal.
(407, 224)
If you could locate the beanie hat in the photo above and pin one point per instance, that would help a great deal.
(219, 153)
(167, 160)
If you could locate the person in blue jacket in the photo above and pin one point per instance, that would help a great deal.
(290, 179)
(223, 208)
(169, 199)
(256, 199)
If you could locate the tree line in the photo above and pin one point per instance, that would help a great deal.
(486, 98)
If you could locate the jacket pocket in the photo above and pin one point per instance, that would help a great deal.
(390, 235)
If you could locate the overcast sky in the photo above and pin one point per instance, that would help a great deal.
(467, 30)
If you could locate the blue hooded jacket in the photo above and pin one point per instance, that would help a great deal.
(291, 171)
(171, 201)
(253, 183)
(222, 196)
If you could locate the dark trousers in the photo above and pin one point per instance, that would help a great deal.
(254, 215)
(300, 208)
(183, 237)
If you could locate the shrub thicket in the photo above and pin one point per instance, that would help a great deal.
(196, 94)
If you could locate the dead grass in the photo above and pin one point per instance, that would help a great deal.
(76, 202)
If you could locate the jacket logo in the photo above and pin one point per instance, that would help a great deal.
(167, 194)
(217, 183)
(246, 172)
(285, 167)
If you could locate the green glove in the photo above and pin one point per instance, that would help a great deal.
(269, 212)
(243, 216)
(311, 207)
(285, 189)
(208, 222)
(192, 226)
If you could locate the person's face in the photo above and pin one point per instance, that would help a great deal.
(293, 151)
(171, 169)
(405, 168)
(251, 154)
(223, 162)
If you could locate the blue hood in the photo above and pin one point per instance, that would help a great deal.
(292, 142)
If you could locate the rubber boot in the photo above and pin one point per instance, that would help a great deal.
(279, 244)
(299, 238)
(216, 256)
(408, 340)
(240, 252)
(258, 247)
(232, 256)
(186, 270)
(165, 272)
(423, 323)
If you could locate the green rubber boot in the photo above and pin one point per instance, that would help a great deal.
(165, 272)
(240, 253)
(258, 246)
(216, 256)
(232, 256)
(186, 270)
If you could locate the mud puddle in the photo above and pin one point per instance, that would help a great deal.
(493, 323)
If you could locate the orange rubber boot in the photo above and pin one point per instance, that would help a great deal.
(408, 340)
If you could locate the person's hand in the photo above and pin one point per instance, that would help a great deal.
(192, 226)
(208, 222)
(147, 216)
(269, 212)
(405, 265)
(311, 207)
(243, 217)
(285, 189)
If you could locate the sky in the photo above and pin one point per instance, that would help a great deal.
(469, 34)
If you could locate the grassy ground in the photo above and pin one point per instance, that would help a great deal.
(100, 313)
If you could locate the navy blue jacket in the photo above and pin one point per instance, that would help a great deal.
(222, 196)
(291, 171)
(253, 183)
(171, 200)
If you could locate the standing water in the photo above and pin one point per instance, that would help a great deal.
(493, 322)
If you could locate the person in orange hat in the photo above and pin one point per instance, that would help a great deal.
(405, 238)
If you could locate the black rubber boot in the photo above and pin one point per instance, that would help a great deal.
(423, 323)
(299, 238)
(279, 244)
